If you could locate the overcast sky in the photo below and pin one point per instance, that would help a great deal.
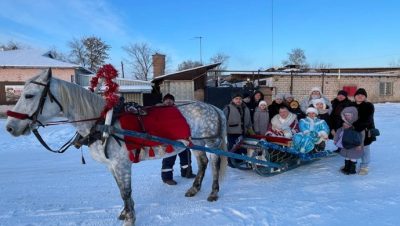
(343, 33)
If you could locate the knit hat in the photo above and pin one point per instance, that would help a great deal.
(237, 95)
(361, 91)
(316, 89)
(288, 95)
(312, 110)
(262, 102)
(342, 92)
(168, 96)
(279, 96)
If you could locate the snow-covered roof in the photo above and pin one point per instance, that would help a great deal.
(282, 73)
(31, 58)
(136, 88)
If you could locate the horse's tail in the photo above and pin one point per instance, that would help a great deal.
(223, 160)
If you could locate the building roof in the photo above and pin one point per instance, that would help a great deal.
(188, 74)
(31, 58)
(125, 85)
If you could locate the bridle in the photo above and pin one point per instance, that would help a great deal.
(34, 117)
(34, 125)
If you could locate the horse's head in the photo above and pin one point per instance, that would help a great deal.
(36, 104)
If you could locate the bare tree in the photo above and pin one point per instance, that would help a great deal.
(89, 52)
(58, 55)
(77, 54)
(220, 58)
(140, 59)
(188, 64)
(11, 45)
(96, 52)
(394, 63)
(322, 65)
(296, 57)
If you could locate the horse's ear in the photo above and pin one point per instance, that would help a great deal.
(45, 76)
(49, 74)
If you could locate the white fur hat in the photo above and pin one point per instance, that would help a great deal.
(311, 109)
(320, 100)
(316, 89)
(262, 102)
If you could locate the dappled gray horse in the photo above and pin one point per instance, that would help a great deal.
(45, 97)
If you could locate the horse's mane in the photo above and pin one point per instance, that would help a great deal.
(79, 100)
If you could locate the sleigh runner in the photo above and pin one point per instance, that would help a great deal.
(278, 154)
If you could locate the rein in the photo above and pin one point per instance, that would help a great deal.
(34, 118)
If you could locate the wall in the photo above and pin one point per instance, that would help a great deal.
(23, 74)
(332, 84)
(10, 76)
(183, 90)
(133, 97)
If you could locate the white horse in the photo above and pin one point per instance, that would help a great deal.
(45, 97)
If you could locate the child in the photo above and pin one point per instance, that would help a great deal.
(349, 116)
(314, 133)
(323, 109)
(261, 118)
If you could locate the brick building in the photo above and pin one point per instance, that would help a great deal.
(382, 84)
(16, 66)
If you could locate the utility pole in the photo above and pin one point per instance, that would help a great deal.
(201, 58)
(122, 69)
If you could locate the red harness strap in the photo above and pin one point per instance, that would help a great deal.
(17, 115)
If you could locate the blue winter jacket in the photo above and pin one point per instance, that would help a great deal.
(312, 131)
(307, 125)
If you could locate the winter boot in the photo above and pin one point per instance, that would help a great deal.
(167, 178)
(170, 182)
(187, 172)
(352, 168)
(346, 167)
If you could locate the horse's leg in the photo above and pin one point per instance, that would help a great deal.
(122, 175)
(202, 162)
(215, 164)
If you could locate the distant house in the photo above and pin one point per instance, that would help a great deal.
(185, 85)
(131, 89)
(16, 66)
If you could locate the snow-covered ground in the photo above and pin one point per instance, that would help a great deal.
(41, 188)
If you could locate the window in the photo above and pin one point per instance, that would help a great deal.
(386, 88)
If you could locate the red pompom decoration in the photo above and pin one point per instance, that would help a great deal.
(169, 149)
(151, 153)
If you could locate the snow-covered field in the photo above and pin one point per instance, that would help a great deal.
(41, 188)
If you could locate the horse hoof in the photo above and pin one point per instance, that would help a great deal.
(212, 198)
(130, 222)
(191, 192)
(122, 216)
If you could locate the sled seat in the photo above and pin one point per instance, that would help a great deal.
(272, 139)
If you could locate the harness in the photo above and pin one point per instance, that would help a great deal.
(35, 124)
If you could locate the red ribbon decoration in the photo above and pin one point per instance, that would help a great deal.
(108, 73)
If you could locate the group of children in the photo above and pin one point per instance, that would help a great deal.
(309, 123)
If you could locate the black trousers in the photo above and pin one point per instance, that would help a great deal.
(168, 164)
